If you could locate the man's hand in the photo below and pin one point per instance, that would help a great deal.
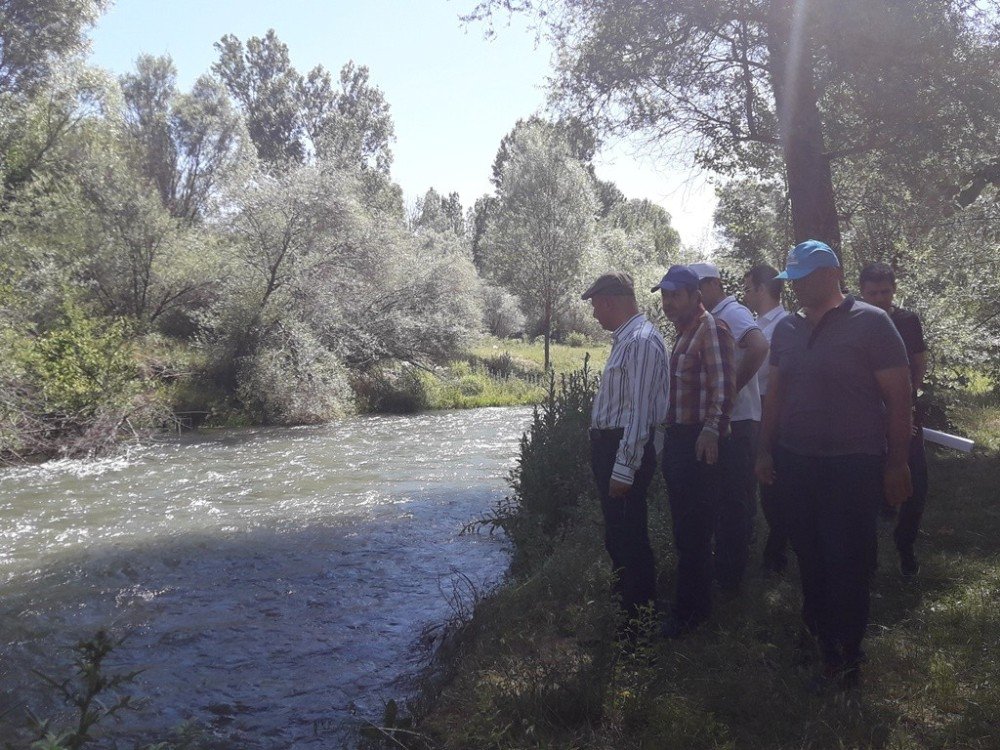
(764, 468)
(706, 448)
(618, 489)
(896, 484)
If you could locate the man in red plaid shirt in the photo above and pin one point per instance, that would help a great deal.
(699, 404)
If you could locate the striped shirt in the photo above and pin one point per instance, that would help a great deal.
(633, 391)
(702, 379)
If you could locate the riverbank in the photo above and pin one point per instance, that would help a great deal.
(534, 666)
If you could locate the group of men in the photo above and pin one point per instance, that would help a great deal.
(815, 408)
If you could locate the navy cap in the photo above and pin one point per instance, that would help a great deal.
(677, 277)
(806, 257)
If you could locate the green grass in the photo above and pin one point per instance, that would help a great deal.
(564, 359)
(535, 668)
(476, 380)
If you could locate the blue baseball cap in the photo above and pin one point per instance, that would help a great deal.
(806, 257)
(677, 277)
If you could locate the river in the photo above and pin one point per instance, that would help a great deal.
(272, 584)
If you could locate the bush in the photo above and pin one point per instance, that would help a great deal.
(546, 482)
(401, 391)
(293, 379)
(576, 340)
(502, 316)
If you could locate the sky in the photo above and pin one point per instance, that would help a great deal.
(452, 93)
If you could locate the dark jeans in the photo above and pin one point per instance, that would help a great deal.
(626, 534)
(693, 488)
(734, 516)
(832, 504)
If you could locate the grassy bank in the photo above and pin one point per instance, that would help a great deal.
(534, 667)
(504, 372)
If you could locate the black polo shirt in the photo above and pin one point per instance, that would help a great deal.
(831, 404)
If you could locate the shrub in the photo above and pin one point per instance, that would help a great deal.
(502, 316)
(576, 340)
(400, 391)
(293, 379)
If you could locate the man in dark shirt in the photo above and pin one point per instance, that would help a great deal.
(878, 287)
(838, 392)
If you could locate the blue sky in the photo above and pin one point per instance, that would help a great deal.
(453, 94)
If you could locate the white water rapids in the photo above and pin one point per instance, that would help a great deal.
(271, 583)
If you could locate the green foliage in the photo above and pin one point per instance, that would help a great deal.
(93, 693)
(81, 364)
(546, 481)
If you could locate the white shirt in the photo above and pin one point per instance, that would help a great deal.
(633, 391)
(740, 321)
(767, 322)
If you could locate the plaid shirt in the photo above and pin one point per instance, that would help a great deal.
(702, 380)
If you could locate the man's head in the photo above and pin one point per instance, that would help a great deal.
(878, 285)
(815, 273)
(761, 288)
(679, 294)
(612, 296)
(709, 282)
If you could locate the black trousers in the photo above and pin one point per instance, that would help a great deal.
(832, 505)
(694, 490)
(775, 556)
(734, 516)
(912, 511)
(626, 531)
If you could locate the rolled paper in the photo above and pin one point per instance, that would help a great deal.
(947, 440)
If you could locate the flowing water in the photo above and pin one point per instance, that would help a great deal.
(275, 585)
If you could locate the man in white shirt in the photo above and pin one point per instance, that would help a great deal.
(734, 520)
(630, 402)
(762, 292)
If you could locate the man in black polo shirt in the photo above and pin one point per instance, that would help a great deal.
(838, 392)
(878, 287)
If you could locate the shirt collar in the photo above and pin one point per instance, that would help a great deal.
(771, 314)
(724, 303)
(627, 326)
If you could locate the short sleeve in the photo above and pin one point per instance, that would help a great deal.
(740, 321)
(885, 346)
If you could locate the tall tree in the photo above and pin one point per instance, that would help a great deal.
(544, 222)
(800, 84)
(35, 35)
(186, 144)
(292, 118)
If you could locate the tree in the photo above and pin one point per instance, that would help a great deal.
(36, 35)
(791, 84)
(186, 144)
(293, 118)
(753, 222)
(544, 222)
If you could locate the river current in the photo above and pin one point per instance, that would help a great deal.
(274, 585)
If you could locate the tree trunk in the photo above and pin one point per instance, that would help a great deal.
(810, 183)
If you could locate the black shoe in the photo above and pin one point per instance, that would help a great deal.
(908, 564)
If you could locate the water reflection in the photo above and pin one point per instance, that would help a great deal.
(268, 580)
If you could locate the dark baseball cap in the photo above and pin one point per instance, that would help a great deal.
(613, 283)
(677, 277)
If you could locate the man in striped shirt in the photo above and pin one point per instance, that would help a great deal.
(630, 403)
(701, 392)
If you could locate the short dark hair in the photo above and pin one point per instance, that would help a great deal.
(765, 276)
(877, 273)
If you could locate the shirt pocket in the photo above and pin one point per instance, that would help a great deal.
(687, 370)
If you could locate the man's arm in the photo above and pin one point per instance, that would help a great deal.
(717, 361)
(764, 467)
(895, 387)
(756, 347)
(644, 370)
(918, 369)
